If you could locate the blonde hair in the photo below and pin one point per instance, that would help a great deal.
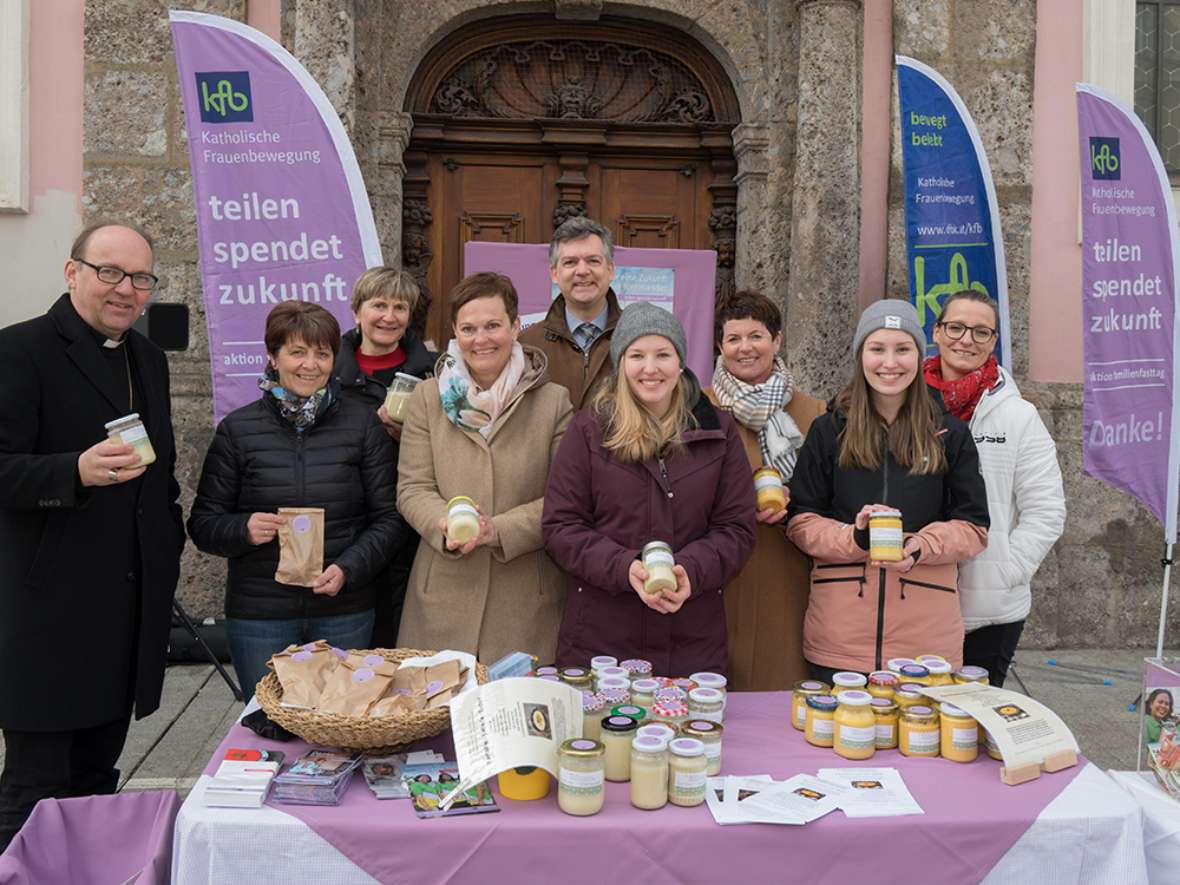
(631, 432)
(912, 438)
(389, 282)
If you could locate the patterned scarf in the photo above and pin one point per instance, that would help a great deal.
(962, 395)
(760, 407)
(301, 411)
(466, 405)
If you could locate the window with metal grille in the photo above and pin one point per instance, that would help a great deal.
(1157, 76)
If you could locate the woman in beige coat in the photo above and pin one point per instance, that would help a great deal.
(487, 427)
(765, 603)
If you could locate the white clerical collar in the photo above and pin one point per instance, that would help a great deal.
(111, 343)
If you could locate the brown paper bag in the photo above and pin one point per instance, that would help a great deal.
(350, 691)
(302, 671)
(301, 546)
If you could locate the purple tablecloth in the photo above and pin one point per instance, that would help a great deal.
(115, 839)
(971, 821)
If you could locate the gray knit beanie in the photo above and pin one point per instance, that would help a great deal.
(889, 313)
(643, 318)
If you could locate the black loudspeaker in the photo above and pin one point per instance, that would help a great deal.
(166, 325)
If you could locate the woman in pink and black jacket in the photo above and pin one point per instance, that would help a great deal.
(886, 444)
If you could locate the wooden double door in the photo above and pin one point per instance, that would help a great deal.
(505, 197)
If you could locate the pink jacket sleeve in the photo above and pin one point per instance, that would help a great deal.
(825, 539)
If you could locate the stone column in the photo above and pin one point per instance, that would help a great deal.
(325, 42)
(750, 144)
(822, 301)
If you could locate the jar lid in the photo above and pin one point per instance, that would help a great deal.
(126, 419)
(854, 698)
(650, 743)
(908, 694)
(582, 747)
(882, 705)
(705, 696)
(548, 670)
(614, 682)
(939, 667)
(883, 677)
(460, 499)
(574, 673)
(822, 702)
(767, 470)
(709, 680)
(614, 696)
(646, 686)
(599, 661)
(552, 677)
(669, 708)
(811, 686)
(671, 693)
(697, 727)
(619, 723)
(592, 703)
(652, 546)
(636, 665)
(613, 671)
(686, 747)
(913, 671)
(684, 684)
(949, 709)
(660, 729)
(885, 514)
(915, 687)
(895, 664)
(406, 377)
(922, 659)
(848, 680)
(972, 673)
(631, 710)
(920, 710)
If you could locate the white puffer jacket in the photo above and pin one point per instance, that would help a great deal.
(1026, 502)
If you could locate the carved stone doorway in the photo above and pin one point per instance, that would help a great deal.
(524, 121)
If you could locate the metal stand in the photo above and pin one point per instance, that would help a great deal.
(192, 629)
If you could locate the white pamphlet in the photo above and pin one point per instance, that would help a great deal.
(872, 792)
(803, 796)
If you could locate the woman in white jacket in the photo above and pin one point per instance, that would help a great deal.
(1019, 463)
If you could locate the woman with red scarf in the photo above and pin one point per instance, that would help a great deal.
(1019, 463)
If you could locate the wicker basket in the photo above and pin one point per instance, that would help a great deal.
(386, 734)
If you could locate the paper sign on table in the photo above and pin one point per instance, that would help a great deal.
(804, 796)
(872, 792)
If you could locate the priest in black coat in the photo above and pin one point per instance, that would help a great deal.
(90, 537)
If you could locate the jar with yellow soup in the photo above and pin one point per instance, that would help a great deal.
(918, 733)
(959, 734)
(855, 732)
(821, 720)
(885, 719)
(769, 493)
(885, 536)
(970, 673)
(799, 695)
(940, 673)
(882, 684)
(580, 790)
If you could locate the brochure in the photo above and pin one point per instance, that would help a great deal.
(428, 782)
(872, 792)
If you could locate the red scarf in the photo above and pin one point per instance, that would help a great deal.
(962, 395)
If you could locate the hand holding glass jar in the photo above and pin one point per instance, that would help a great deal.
(465, 527)
(666, 602)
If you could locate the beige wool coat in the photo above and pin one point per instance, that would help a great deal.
(493, 600)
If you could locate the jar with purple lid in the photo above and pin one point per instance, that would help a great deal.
(971, 673)
(637, 667)
(612, 696)
(643, 692)
(621, 682)
(686, 772)
(592, 707)
(705, 703)
(649, 772)
(799, 695)
(672, 711)
(914, 673)
(580, 788)
(599, 661)
(578, 677)
(617, 734)
(633, 710)
(658, 729)
(547, 670)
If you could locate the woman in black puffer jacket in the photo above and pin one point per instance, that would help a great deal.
(300, 445)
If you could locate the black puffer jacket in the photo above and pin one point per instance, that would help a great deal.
(258, 462)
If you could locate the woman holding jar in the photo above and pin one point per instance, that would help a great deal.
(765, 602)
(885, 444)
(485, 427)
(651, 459)
(1019, 462)
(381, 347)
(300, 445)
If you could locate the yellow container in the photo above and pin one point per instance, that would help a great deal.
(524, 784)
(821, 720)
(855, 733)
(971, 674)
(959, 734)
(885, 718)
(914, 673)
(462, 519)
(885, 536)
(768, 489)
(940, 673)
(799, 695)
(918, 733)
(907, 697)
(882, 684)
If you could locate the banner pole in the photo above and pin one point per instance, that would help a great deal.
(1167, 564)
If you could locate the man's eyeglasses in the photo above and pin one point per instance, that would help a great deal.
(979, 334)
(112, 276)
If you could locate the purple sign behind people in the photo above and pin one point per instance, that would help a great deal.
(1129, 260)
(282, 211)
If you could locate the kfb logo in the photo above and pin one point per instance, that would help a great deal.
(224, 97)
(1104, 158)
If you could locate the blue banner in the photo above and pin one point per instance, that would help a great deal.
(952, 222)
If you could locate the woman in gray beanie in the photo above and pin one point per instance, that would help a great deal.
(650, 459)
(886, 444)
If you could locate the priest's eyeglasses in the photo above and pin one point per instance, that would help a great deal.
(112, 276)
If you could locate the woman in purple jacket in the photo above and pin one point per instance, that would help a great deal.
(650, 459)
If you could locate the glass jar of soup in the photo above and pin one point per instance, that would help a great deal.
(708, 733)
(712, 680)
(547, 670)
(918, 733)
(940, 673)
(686, 772)
(705, 703)
(634, 711)
(398, 395)
(580, 789)
(799, 695)
(462, 519)
(959, 734)
(990, 745)
(637, 668)
(820, 724)
(599, 661)
(906, 696)
(617, 734)
(643, 692)
(925, 659)
(592, 707)
(855, 732)
(577, 677)
(915, 673)
(894, 665)
(649, 772)
(847, 681)
(885, 716)
(618, 678)
(129, 431)
(882, 684)
(971, 674)
(674, 712)
(769, 493)
(659, 729)
(658, 562)
(614, 696)
(885, 536)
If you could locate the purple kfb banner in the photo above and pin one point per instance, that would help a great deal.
(678, 280)
(1129, 260)
(282, 211)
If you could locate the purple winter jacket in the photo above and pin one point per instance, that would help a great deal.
(599, 512)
